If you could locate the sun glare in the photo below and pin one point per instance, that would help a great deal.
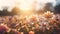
(25, 4)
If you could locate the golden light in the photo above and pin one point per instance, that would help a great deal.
(24, 3)
(24, 6)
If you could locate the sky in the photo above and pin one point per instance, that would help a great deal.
(58, 2)
(25, 4)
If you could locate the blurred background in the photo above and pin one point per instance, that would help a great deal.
(13, 7)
